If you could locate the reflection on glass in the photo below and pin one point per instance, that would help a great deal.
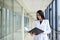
(54, 14)
(54, 33)
(58, 19)
(8, 27)
(4, 24)
(50, 12)
(47, 13)
(18, 22)
(50, 20)
(26, 25)
(26, 21)
(11, 21)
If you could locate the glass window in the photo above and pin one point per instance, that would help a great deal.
(8, 24)
(18, 16)
(18, 20)
(54, 14)
(47, 13)
(18, 30)
(11, 24)
(58, 15)
(26, 23)
(4, 22)
(58, 19)
(11, 21)
(50, 20)
(50, 14)
(54, 34)
(7, 15)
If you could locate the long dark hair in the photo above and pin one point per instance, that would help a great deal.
(40, 12)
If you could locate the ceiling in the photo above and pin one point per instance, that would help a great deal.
(34, 5)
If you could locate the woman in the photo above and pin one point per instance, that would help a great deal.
(42, 24)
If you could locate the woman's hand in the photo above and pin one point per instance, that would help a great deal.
(32, 33)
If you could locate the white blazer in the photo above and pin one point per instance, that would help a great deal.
(45, 27)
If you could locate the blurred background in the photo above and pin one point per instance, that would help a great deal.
(17, 16)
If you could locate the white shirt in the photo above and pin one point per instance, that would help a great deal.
(43, 26)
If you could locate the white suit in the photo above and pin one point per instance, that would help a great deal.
(45, 27)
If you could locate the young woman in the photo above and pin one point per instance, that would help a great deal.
(42, 24)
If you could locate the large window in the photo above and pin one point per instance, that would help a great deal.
(54, 14)
(26, 23)
(17, 20)
(10, 20)
(4, 22)
(6, 19)
(50, 20)
(47, 13)
(54, 27)
(58, 15)
(10, 24)
(58, 20)
(7, 24)
(50, 14)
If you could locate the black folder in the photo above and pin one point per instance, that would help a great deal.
(36, 31)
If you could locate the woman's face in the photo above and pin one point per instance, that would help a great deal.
(39, 17)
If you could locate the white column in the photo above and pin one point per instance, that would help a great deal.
(30, 22)
(23, 25)
(14, 22)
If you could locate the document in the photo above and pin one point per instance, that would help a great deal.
(36, 31)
